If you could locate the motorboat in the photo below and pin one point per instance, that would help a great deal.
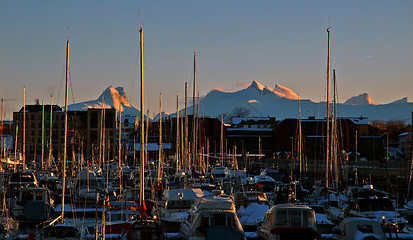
(34, 205)
(369, 203)
(289, 221)
(213, 217)
(18, 180)
(175, 206)
(358, 228)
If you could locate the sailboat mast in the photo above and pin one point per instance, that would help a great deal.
(300, 139)
(50, 131)
(42, 134)
(142, 151)
(334, 126)
(186, 125)
(120, 136)
(160, 139)
(65, 141)
(328, 111)
(1, 133)
(177, 134)
(221, 145)
(24, 127)
(194, 113)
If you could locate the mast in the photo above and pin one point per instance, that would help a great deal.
(299, 139)
(120, 136)
(65, 141)
(50, 131)
(186, 125)
(142, 152)
(1, 133)
(120, 147)
(160, 139)
(328, 110)
(15, 144)
(177, 134)
(334, 131)
(42, 134)
(24, 127)
(221, 147)
(194, 113)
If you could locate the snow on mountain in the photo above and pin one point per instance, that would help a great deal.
(164, 115)
(255, 100)
(258, 100)
(362, 99)
(110, 98)
(285, 92)
(403, 100)
(279, 90)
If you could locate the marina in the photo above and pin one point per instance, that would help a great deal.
(254, 163)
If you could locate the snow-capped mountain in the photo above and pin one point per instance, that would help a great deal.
(258, 100)
(362, 99)
(403, 100)
(110, 98)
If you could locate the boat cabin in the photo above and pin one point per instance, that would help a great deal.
(295, 221)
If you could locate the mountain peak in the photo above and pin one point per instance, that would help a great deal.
(256, 85)
(362, 99)
(285, 92)
(403, 100)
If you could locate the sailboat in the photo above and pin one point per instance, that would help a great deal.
(145, 227)
(58, 228)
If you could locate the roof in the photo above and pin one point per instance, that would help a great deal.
(238, 120)
(290, 206)
(173, 194)
(216, 203)
(153, 146)
(39, 108)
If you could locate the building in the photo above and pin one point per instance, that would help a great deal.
(405, 144)
(44, 129)
(252, 135)
(314, 131)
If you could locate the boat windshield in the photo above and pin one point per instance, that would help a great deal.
(179, 204)
(368, 205)
(294, 218)
(218, 219)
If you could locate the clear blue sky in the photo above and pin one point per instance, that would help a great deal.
(273, 42)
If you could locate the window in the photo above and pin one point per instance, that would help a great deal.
(39, 195)
(281, 218)
(366, 228)
(27, 196)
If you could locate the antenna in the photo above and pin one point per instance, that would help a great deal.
(139, 18)
(67, 31)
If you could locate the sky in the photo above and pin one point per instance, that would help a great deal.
(236, 42)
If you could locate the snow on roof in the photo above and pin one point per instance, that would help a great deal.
(173, 194)
(359, 120)
(153, 146)
(238, 120)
